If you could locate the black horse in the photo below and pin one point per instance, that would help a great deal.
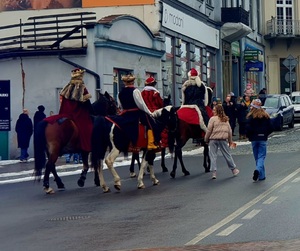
(62, 137)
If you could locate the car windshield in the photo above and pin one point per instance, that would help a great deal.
(271, 102)
(296, 99)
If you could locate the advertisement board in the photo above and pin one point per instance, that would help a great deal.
(5, 105)
(11, 5)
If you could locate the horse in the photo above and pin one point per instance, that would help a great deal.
(108, 135)
(185, 131)
(62, 136)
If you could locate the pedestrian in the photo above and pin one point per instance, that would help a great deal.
(39, 115)
(262, 95)
(258, 128)
(219, 136)
(24, 130)
(230, 110)
(242, 110)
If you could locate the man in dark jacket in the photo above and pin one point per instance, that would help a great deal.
(24, 130)
(258, 128)
(39, 115)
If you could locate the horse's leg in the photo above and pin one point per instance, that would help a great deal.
(163, 166)
(46, 183)
(206, 159)
(150, 156)
(57, 179)
(102, 182)
(141, 173)
(185, 172)
(173, 172)
(134, 157)
(109, 161)
(85, 161)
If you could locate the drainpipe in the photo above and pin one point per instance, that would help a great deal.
(97, 77)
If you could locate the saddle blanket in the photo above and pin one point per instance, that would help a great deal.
(189, 115)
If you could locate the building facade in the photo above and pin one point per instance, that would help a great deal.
(42, 43)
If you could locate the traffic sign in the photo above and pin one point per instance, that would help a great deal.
(290, 62)
(290, 77)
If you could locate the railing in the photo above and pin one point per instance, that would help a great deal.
(46, 32)
(283, 27)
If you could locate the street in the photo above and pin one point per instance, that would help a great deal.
(186, 211)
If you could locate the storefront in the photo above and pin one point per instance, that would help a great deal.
(189, 43)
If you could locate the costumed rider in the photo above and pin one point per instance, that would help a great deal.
(76, 105)
(154, 102)
(194, 93)
(134, 110)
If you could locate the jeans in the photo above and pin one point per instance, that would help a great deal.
(24, 154)
(259, 149)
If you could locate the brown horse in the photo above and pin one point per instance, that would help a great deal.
(62, 137)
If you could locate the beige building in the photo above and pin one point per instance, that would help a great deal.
(281, 30)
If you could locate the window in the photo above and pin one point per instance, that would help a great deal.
(169, 66)
(184, 60)
(117, 81)
(284, 17)
(211, 70)
(258, 14)
(198, 60)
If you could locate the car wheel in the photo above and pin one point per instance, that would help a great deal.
(291, 125)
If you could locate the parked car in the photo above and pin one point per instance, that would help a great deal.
(280, 109)
(296, 103)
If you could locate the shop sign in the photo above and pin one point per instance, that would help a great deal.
(235, 49)
(253, 60)
(5, 105)
(181, 23)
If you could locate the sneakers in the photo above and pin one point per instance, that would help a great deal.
(235, 171)
(214, 175)
(255, 175)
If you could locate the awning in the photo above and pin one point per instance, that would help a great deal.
(231, 32)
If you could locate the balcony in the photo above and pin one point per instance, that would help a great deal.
(235, 15)
(284, 29)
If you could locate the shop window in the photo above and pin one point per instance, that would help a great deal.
(252, 78)
(169, 66)
(198, 60)
(211, 70)
(184, 61)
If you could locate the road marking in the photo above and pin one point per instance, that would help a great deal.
(229, 230)
(284, 189)
(270, 200)
(250, 215)
(239, 211)
(296, 180)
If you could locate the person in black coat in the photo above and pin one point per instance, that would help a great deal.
(24, 130)
(39, 115)
(258, 128)
(229, 106)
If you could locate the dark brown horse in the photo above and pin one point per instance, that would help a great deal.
(54, 140)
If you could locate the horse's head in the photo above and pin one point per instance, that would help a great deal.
(166, 116)
(105, 105)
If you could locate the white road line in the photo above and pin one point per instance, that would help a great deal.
(239, 211)
(296, 180)
(270, 200)
(250, 215)
(284, 189)
(229, 230)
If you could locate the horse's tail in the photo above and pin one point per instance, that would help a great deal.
(39, 142)
(100, 140)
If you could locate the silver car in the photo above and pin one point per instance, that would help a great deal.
(295, 97)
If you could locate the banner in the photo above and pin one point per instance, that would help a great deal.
(4, 105)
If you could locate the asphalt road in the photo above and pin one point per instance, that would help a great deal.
(186, 212)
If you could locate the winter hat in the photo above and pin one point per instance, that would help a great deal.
(193, 73)
(256, 103)
(41, 108)
(150, 81)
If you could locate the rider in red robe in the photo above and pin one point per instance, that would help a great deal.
(75, 104)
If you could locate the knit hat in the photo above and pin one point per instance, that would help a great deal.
(256, 103)
(150, 81)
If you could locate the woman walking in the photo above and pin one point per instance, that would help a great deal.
(219, 135)
(258, 128)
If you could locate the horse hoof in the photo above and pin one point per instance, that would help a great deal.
(49, 190)
(165, 170)
(118, 187)
(107, 190)
(156, 183)
(172, 174)
(80, 183)
(207, 170)
(186, 173)
(141, 187)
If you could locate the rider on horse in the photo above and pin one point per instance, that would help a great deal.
(194, 92)
(134, 110)
(76, 105)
